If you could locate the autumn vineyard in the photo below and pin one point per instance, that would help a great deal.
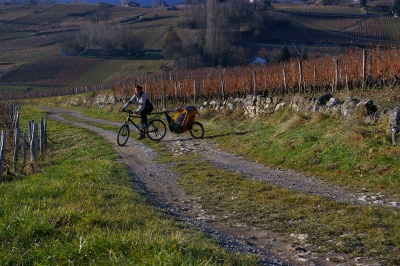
(376, 67)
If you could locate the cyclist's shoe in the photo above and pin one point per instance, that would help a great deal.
(141, 136)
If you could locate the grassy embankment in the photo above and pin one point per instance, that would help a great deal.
(340, 152)
(343, 152)
(82, 209)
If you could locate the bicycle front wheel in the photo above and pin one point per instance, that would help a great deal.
(156, 129)
(197, 130)
(123, 135)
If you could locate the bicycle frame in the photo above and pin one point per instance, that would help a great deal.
(131, 114)
(154, 130)
(129, 120)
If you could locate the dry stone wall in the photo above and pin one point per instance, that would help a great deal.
(253, 106)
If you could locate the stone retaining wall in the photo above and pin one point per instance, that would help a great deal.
(255, 105)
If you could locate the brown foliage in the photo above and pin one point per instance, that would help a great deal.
(294, 76)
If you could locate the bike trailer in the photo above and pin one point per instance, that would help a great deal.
(182, 119)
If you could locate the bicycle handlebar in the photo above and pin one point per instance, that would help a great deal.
(131, 113)
(153, 113)
(127, 111)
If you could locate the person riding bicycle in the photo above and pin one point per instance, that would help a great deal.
(145, 107)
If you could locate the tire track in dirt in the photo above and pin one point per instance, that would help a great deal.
(159, 184)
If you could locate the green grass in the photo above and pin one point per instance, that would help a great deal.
(81, 208)
(344, 152)
(368, 231)
(341, 10)
(111, 70)
(357, 231)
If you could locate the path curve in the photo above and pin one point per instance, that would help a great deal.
(159, 184)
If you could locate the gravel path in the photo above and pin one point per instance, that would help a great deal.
(158, 183)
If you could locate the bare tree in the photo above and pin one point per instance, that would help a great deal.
(396, 8)
(216, 41)
(128, 40)
(172, 46)
(239, 9)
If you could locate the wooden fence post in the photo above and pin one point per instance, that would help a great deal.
(45, 132)
(16, 147)
(164, 96)
(370, 78)
(198, 89)
(194, 90)
(223, 88)
(2, 151)
(364, 68)
(336, 62)
(300, 75)
(255, 82)
(41, 134)
(315, 76)
(34, 144)
(347, 77)
(176, 91)
(284, 81)
(24, 150)
(30, 129)
(15, 116)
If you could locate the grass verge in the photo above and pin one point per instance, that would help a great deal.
(338, 151)
(81, 208)
(343, 152)
(367, 232)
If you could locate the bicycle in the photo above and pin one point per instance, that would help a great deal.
(155, 129)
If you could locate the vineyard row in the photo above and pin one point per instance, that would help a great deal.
(375, 67)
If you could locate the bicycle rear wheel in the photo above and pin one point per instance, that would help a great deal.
(197, 130)
(123, 135)
(156, 129)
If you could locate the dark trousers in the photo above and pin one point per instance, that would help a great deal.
(143, 114)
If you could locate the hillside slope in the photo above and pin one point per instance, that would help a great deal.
(34, 39)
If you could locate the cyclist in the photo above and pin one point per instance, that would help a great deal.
(145, 107)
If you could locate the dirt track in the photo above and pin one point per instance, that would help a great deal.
(158, 183)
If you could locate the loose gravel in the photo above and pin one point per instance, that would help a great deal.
(159, 184)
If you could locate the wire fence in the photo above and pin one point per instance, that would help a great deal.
(377, 67)
(19, 148)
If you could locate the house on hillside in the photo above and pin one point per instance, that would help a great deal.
(162, 4)
(284, 1)
(259, 61)
(133, 4)
(130, 4)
